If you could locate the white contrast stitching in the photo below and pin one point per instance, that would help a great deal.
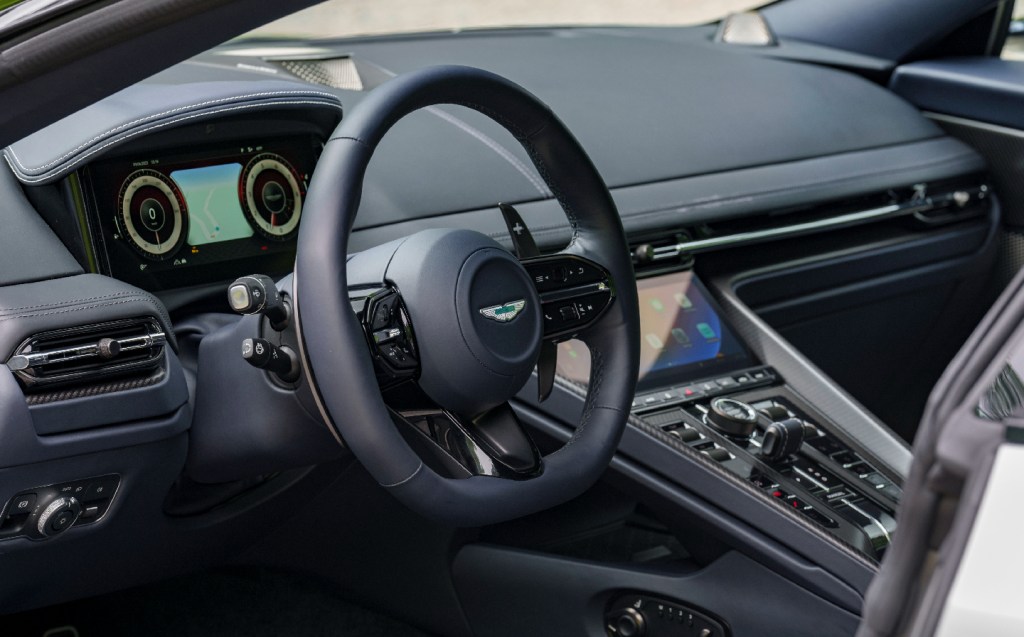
(49, 175)
(401, 482)
(494, 145)
(167, 112)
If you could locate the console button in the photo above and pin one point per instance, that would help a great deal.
(877, 480)
(101, 489)
(24, 503)
(846, 458)
(90, 513)
(691, 392)
(650, 399)
(827, 445)
(776, 412)
(685, 434)
(892, 492)
(710, 387)
(719, 454)
(61, 521)
(861, 468)
(820, 518)
(762, 481)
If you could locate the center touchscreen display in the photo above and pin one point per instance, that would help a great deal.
(682, 336)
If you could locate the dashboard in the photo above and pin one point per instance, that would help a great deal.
(185, 181)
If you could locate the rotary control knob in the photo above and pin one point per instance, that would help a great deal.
(58, 516)
(628, 622)
(732, 417)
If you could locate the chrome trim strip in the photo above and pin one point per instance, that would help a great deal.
(893, 210)
(922, 203)
(870, 517)
(42, 359)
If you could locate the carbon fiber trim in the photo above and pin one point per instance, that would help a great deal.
(109, 387)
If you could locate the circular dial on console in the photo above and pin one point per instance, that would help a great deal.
(271, 196)
(152, 214)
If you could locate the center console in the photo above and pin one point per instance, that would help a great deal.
(700, 383)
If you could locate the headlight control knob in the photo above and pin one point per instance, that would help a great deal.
(628, 622)
(732, 417)
(58, 516)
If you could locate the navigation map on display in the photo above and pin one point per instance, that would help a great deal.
(211, 194)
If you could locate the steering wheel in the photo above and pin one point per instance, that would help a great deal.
(414, 348)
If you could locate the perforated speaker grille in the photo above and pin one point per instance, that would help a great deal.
(338, 72)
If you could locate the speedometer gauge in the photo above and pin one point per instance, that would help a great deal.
(151, 214)
(271, 196)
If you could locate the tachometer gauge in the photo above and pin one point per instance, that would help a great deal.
(271, 196)
(152, 215)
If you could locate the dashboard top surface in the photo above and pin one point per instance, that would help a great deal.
(682, 129)
(648, 105)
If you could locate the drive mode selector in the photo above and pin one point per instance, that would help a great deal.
(58, 516)
(732, 417)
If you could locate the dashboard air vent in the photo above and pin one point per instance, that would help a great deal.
(339, 72)
(88, 354)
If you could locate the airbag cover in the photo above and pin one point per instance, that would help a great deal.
(484, 351)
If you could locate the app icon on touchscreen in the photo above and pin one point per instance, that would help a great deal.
(683, 301)
(706, 331)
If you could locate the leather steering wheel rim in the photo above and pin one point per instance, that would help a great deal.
(333, 345)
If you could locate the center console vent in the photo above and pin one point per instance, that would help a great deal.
(89, 354)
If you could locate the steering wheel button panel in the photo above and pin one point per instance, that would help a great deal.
(390, 337)
(560, 272)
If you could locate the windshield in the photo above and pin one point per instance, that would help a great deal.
(343, 18)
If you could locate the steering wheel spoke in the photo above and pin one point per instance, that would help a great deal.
(493, 443)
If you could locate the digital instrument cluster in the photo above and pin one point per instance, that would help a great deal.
(178, 219)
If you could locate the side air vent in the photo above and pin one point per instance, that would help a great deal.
(338, 72)
(89, 354)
